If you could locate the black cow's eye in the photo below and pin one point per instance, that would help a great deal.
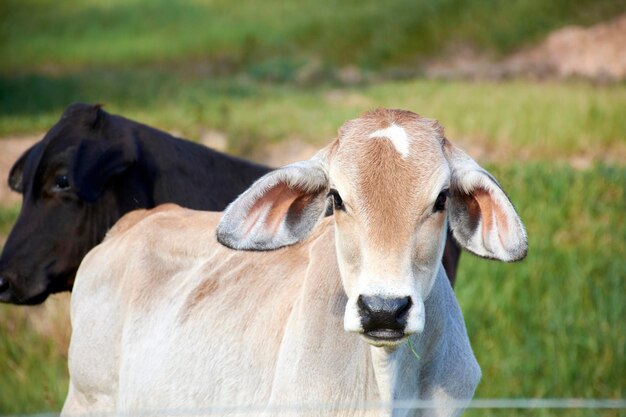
(337, 201)
(440, 203)
(61, 183)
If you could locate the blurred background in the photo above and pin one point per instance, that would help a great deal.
(534, 90)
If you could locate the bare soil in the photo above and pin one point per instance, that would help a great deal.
(596, 53)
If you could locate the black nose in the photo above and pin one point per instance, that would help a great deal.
(4, 284)
(378, 313)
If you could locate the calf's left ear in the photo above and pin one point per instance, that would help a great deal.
(279, 209)
(481, 216)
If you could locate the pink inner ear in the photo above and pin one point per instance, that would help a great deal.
(279, 198)
(489, 210)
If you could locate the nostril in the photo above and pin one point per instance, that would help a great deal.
(363, 305)
(402, 307)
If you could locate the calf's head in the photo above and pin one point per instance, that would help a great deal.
(73, 190)
(394, 182)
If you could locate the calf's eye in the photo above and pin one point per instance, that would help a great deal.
(440, 203)
(337, 201)
(61, 183)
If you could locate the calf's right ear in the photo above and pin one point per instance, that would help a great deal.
(278, 210)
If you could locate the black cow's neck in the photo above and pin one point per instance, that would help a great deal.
(192, 175)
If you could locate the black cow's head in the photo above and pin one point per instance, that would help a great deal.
(76, 182)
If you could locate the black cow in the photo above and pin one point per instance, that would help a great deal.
(89, 170)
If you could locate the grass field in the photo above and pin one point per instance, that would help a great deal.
(551, 326)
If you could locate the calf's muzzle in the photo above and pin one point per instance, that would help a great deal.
(384, 317)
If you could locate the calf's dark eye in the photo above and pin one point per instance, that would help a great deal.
(61, 183)
(440, 203)
(337, 201)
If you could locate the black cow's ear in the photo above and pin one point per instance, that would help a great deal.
(99, 116)
(96, 163)
(16, 175)
(90, 115)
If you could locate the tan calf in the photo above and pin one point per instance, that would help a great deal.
(166, 319)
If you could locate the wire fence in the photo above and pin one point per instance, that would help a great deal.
(304, 409)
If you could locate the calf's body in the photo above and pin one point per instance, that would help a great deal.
(191, 324)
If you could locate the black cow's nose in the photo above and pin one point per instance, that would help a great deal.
(383, 313)
(4, 284)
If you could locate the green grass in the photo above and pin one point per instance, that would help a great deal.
(42, 35)
(513, 118)
(8, 215)
(550, 326)
(33, 350)
(535, 325)
(34, 370)
(553, 325)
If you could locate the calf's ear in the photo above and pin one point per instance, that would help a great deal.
(16, 175)
(96, 163)
(481, 216)
(279, 209)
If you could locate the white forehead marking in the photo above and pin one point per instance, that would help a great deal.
(397, 135)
